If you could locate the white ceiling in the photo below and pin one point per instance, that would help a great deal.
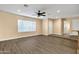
(66, 10)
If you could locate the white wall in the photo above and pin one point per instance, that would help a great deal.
(50, 27)
(57, 27)
(45, 27)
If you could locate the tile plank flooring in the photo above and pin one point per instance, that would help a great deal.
(38, 45)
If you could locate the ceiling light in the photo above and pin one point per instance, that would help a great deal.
(56, 17)
(58, 11)
(18, 10)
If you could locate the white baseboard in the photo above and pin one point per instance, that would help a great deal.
(45, 34)
(50, 34)
(11, 38)
(57, 33)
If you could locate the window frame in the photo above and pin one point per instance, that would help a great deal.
(34, 30)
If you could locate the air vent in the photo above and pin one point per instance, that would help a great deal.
(25, 5)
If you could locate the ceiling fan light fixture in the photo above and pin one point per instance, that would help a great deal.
(18, 10)
(58, 11)
(39, 13)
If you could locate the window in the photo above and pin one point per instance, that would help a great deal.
(26, 26)
(75, 24)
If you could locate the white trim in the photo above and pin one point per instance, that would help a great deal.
(57, 33)
(11, 38)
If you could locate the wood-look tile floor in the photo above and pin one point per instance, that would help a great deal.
(38, 45)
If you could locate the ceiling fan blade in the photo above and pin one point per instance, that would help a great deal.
(43, 15)
(43, 12)
(38, 15)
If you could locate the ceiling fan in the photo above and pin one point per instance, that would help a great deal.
(39, 13)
